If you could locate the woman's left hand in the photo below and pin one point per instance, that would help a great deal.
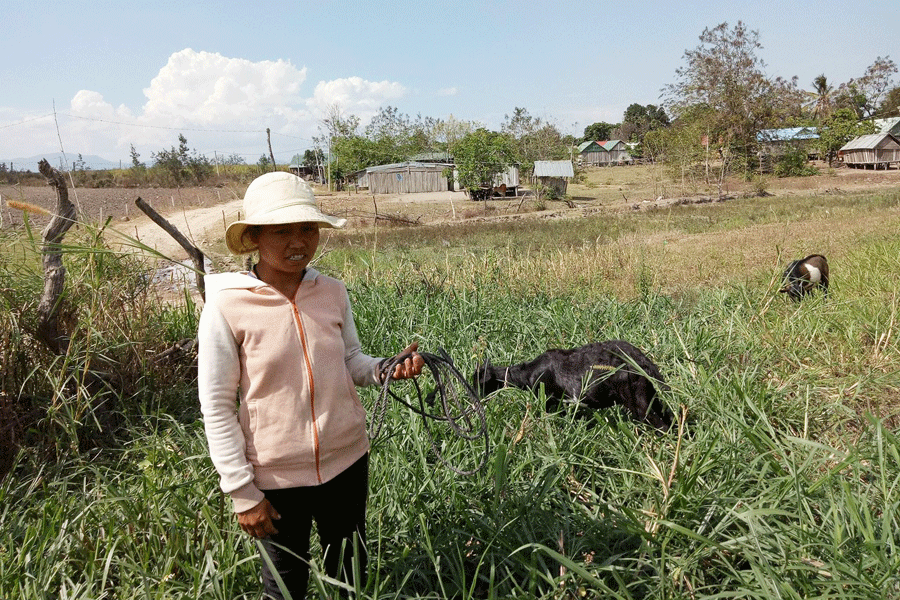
(411, 366)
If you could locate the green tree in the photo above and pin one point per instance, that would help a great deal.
(533, 139)
(685, 147)
(598, 132)
(313, 158)
(138, 170)
(639, 119)
(337, 130)
(388, 131)
(181, 165)
(840, 128)
(824, 99)
(725, 74)
(481, 156)
(136, 164)
(447, 133)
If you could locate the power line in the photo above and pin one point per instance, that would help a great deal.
(163, 127)
(26, 121)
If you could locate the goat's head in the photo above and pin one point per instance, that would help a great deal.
(803, 276)
(487, 378)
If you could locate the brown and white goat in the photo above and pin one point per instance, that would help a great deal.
(804, 276)
(598, 375)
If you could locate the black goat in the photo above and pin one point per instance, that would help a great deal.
(597, 375)
(803, 276)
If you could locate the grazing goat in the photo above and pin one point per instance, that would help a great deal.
(803, 276)
(598, 375)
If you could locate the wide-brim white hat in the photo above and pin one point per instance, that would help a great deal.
(276, 199)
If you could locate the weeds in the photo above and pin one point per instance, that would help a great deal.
(782, 481)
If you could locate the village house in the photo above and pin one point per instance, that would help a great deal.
(875, 151)
(605, 153)
(553, 174)
(774, 143)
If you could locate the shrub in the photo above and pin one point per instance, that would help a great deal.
(794, 164)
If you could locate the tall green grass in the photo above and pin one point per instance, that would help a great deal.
(782, 481)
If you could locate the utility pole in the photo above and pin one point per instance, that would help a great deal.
(271, 155)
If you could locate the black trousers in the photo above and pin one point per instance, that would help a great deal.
(338, 507)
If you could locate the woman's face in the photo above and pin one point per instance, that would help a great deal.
(287, 249)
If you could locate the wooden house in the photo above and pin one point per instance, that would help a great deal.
(876, 151)
(617, 152)
(589, 153)
(605, 153)
(405, 178)
(553, 174)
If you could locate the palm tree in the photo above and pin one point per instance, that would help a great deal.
(822, 108)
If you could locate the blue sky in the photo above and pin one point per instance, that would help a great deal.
(138, 73)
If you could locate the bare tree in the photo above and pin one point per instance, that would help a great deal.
(876, 83)
(725, 74)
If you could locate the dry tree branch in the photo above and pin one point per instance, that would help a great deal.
(48, 330)
(195, 253)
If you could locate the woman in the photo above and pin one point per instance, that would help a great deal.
(281, 340)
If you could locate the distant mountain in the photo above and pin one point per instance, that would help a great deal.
(91, 161)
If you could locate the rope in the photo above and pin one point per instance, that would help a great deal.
(459, 408)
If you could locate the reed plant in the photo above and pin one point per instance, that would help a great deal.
(782, 479)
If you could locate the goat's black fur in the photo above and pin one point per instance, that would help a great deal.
(803, 276)
(597, 375)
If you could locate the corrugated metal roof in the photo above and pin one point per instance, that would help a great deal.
(403, 165)
(610, 144)
(891, 125)
(584, 146)
(553, 168)
(867, 142)
(431, 157)
(787, 134)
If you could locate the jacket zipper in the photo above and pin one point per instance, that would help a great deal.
(312, 386)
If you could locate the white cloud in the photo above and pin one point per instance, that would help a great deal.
(206, 87)
(220, 103)
(355, 96)
(450, 91)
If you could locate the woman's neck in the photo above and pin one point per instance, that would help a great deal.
(286, 283)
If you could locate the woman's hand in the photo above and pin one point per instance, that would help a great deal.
(411, 365)
(258, 520)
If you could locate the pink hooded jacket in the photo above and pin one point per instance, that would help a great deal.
(277, 383)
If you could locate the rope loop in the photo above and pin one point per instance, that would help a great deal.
(453, 402)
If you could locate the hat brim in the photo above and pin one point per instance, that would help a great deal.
(238, 243)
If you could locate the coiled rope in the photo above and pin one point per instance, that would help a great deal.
(459, 407)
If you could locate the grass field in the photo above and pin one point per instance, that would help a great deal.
(783, 480)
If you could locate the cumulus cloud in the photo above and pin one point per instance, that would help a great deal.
(220, 103)
(450, 91)
(208, 88)
(355, 95)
